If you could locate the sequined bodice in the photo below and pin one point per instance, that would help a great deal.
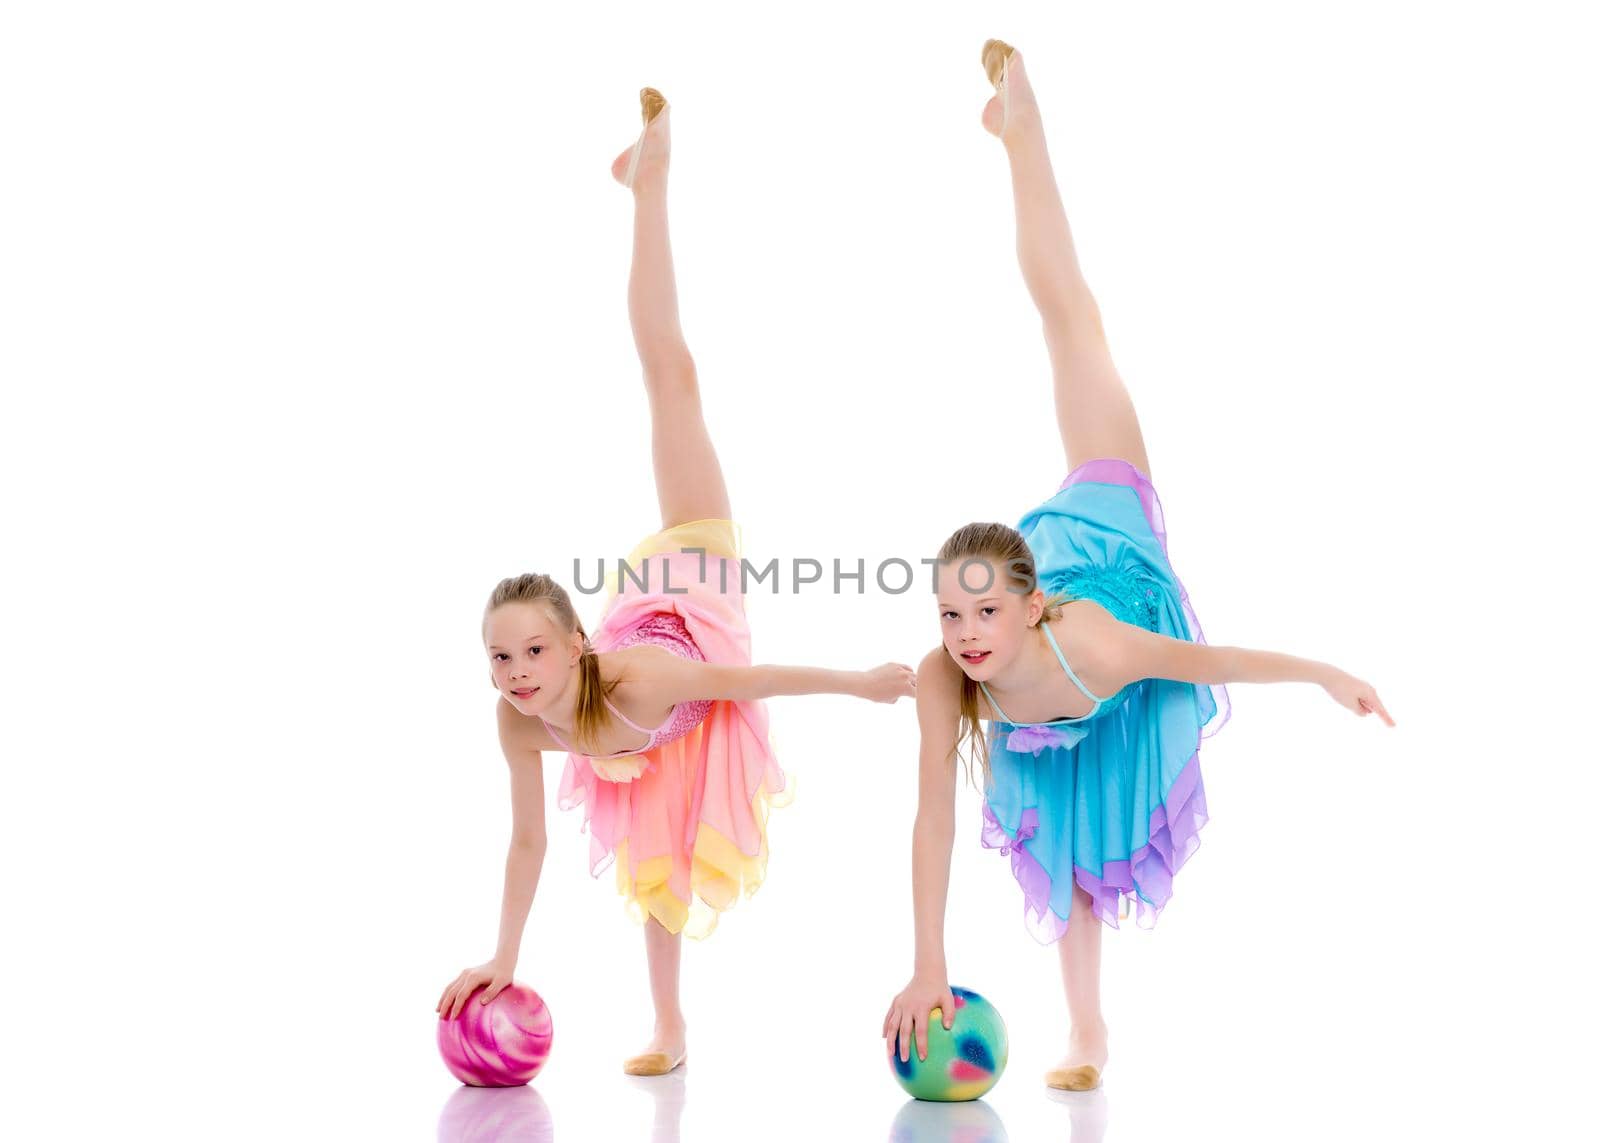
(1132, 595)
(659, 629)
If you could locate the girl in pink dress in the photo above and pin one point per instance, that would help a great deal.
(661, 711)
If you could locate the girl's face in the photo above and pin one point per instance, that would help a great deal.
(982, 622)
(530, 655)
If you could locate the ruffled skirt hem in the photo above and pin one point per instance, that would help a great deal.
(1142, 883)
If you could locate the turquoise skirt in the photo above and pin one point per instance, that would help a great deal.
(1115, 806)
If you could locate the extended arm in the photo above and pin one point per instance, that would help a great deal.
(520, 740)
(1135, 654)
(933, 835)
(525, 857)
(680, 680)
(932, 838)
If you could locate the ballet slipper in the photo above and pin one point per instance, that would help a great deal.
(996, 57)
(651, 104)
(651, 1064)
(1084, 1077)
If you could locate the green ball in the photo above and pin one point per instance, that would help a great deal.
(964, 1062)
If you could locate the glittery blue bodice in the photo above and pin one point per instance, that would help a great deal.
(1133, 595)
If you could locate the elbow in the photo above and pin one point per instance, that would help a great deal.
(760, 683)
(528, 845)
(937, 826)
(1219, 666)
(739, 684)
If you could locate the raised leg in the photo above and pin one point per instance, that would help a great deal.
(1093, 409)
(689, 482)
(1079, 949)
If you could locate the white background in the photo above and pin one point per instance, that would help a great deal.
(314, 328)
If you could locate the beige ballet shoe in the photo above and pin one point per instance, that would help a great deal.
(996, 55)
(651, 104)
(1084, 1077)
(651, 1063)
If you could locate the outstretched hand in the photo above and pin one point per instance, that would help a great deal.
(493, 977)
(888, 683)
(1355, 695)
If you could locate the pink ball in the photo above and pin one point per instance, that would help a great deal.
(500, 1044)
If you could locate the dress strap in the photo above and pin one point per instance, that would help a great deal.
(1062, 659)
(994, 704)
(629, 721)
(650, 740)
(561, 742)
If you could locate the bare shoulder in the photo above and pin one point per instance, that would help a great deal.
(938, 668)
(643, 660)
(639, 672)
(1081, 615)
(1095, 642)
(521, 733)
(938, 683)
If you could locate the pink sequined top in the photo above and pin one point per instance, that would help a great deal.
(659, 629)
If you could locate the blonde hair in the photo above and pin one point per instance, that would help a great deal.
(592, 715)
(1004, 546)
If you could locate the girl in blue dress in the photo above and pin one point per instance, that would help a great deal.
(1072, 638)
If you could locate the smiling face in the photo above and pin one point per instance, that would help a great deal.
(983, 617)
(530, 655)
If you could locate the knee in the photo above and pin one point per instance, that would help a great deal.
(670, 374)
(1072, 318)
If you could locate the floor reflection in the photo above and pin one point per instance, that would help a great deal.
(1088, 1112)
(668, 1095)
(920, 1121)
(495, 1115)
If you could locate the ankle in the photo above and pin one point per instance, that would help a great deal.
(650, 191)
(1090, 1030)
(1024, 133)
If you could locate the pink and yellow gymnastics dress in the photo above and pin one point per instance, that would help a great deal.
(684, 818)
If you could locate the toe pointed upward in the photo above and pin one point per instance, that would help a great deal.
(995, 55)
(651, 104)
(653, 107)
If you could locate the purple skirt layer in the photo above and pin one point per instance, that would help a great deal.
(1144, 880)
